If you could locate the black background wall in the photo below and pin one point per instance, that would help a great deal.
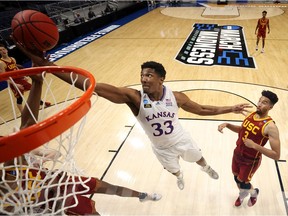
(72, 32)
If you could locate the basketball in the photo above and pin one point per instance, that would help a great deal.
(34, 30)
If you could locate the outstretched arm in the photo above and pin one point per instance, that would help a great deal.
(118, 94)
(112, 93)
(29, 115)
(234, 128)
(30, 112)
(109, 92)
(190, 106)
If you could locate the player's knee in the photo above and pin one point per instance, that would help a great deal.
(246, 186)
(19, 100)
(241, 184)
(192, 156)
(236, 180)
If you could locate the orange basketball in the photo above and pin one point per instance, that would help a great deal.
(35, 30)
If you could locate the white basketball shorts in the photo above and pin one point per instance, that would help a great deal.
(186, 148)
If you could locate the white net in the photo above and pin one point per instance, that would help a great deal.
(45, 180)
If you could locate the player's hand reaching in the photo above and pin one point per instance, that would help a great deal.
(221, 127)
(37, 57)
(234, 128)
(43, 62)
(241, 108)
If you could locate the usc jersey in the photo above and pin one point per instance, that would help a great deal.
(38, 185)
(10, 65)
(262, 25)
(253, 129)
(26, 86)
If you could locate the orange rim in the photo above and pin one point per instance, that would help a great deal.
(17, 144)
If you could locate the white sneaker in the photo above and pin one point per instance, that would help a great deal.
(212, 173)
(180, 181)
(152, 197)
(253, 198)
(256, 48)
(262, 51)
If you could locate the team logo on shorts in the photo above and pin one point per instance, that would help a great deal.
(210, 44)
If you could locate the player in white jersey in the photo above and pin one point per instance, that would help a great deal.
(160, 121)
(162, 127)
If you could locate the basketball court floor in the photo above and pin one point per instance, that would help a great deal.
(114, 148)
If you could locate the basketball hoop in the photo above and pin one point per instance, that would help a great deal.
(44, 185)
(42, 132)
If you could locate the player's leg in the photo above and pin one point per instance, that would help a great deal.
(46, 104)
(207, 168)
(254, 192)
(107, 188)
(19, 101)
(243, 182)
(257, 42)
(96, 185)
(263, 44)
(85, 206)
(236, 167)
(169, 159)
(244, 188)
(22, 86)
(180, 179)
(192, 153)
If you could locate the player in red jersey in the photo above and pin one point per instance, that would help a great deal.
(8, 64)
(38, 185)
(262, 25)
(70, 189)
(256, 129)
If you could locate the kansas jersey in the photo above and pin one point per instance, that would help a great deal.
(159, 119)
(253, 129)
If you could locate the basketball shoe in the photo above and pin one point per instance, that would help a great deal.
(46, 104)
(262, 51)
(238, 202)
(242, 194)
(153, 197)
(180, 181)
(212, 173)
(256, 48)
(253, 197)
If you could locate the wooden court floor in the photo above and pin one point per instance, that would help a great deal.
(114, 147)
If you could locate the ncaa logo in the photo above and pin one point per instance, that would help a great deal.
(210, 44)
